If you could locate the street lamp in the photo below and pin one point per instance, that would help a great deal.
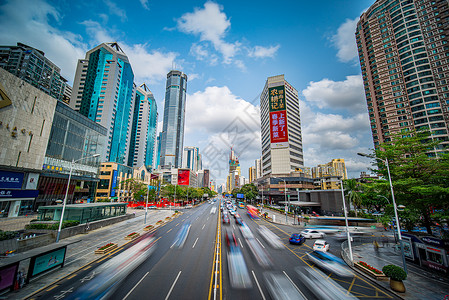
(394, 205)
(67, 192)
(285, 197)
(346, 221)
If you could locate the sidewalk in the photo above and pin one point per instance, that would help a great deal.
(420, 283)
(81, 251)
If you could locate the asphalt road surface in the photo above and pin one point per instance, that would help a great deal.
(195, 265)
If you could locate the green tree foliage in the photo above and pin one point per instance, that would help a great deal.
(353, 193)
(136, 187)
(249, 190)
(420, 177)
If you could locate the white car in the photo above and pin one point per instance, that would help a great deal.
(321, 245)
(189, 206)
(312, 234)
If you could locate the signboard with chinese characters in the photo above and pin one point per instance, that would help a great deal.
(183, 177)
(278, 117)
(11, 180)
(114, 182)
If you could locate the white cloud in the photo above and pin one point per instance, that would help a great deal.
(115, 10)
(226, 120)
(262, 52)
(145, 4)
(211, 24)
(202, 53)
(347, 94)
(344, 41)
(28, 22)
(193, 76)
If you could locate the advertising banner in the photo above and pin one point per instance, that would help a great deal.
(18, 193)
(7, 275)
(183, 177)
(11, 180)
(278, 128)
(277, 98)
(48, 261)
(114, 182)
(240, 196)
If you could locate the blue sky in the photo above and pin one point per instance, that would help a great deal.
(227, 49)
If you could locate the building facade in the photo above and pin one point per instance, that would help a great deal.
(191, 158)
(403, 50)
(282, 150)
(26, 117)
(73, 138)
(143, 130)
(103, 91)
(172, 139)
(31, 65)
(252, 174)
(112, 186)
(336, 167)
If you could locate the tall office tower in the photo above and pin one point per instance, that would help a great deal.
(191, 158)
(31, 65)
(282, 151)
(403, 50)
(258, 166)
(103, 91)
(172, 138)
(143, 130)
(157, 158)
(251, 174)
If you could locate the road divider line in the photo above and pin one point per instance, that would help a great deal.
(203, 226)
(169, 230)
(240, 243)
(129, 293)
(195, 243)
(260, 243)
(172, 286)
(257, 282)
(291, 281)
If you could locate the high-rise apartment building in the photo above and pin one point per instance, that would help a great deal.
(258, 167)
(103, 91)
(143, 130)
(191, 158)
(404, 54)
(172, 138)
(282, 151)
(31, 65)
(336, 167)
(251, 174)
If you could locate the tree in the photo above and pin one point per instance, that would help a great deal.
(352, 190)
(419, 173)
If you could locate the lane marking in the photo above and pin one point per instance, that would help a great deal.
(240, 243)
(260, 243)
(129, 293)
(169, 230)
(177, 224)
(195, 243)
(203, 226)
(173, 285)
(257, 282)
(291, 281)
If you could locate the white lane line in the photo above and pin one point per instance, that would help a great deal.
(240, 243)
(233, 226)
(173, 285)
(257, 282)
(195, 243)
(129, 293)
(295, 285)
(260, 243)
(169, 230)
(203, 226)
(177, 224)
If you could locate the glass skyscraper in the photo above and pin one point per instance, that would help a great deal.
(143, 131)
(103, 91)
(172, 138)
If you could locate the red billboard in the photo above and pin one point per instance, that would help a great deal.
(183, 177)
(278, 126)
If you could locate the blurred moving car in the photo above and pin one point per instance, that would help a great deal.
(182, 235)
(312, 234)
(226, 219)
(297, 238)
(107, 277)
(330, 262)
(270, 237)
(281, 287)
(230, 239)
(321, 245)
(239, 221)
(321, 285)
(189, 206)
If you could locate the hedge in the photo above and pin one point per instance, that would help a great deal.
(7, 235)
(52, 226)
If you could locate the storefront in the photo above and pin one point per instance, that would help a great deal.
(14, 200)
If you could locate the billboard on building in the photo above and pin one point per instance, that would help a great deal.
(183, 177)
(278, 117)
(11, 180)
(114, 182)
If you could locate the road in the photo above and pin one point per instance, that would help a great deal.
(199, 269)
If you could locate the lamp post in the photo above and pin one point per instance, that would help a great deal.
(346, 221)
(146, 203)
(67, 192)
(394, 206)
(285, 197)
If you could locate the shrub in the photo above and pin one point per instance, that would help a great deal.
(371, 268)
(106, 246)
(7, 235)
(394, 272)
(52, 226)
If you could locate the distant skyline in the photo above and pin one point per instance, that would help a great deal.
(227, 49)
